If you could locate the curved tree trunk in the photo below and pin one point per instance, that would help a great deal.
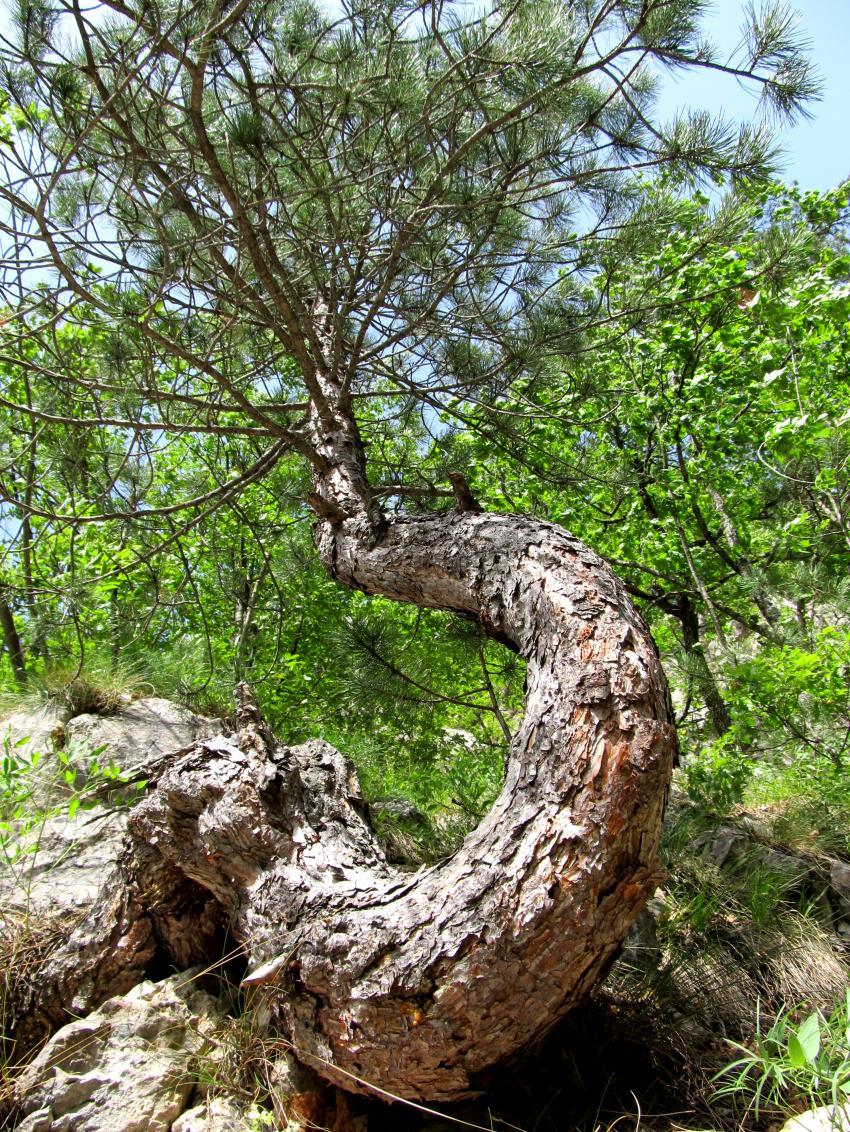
(415, 983)
(418, 983)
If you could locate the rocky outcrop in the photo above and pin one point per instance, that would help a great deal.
(816, 879)
(131, 1066)
(140, 733)
(839, 883)
(134, 737)
(59, 859)
(31, 739)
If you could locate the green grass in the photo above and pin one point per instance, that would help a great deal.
(805, 806)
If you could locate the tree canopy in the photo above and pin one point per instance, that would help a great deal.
(210, 209)
(233, 200)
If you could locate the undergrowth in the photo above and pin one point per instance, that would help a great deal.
(792, 1057)
(26, 944)
(737, 932)
(804, 806)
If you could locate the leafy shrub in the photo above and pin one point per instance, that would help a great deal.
(717, 776)
(789, 744)
(793, 701)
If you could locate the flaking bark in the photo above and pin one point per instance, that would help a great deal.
(419, 983)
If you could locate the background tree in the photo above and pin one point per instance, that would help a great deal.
(708, 457)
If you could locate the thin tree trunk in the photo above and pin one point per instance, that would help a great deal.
(12, 642)
(721, 721)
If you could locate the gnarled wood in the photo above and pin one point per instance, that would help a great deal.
(418, 983)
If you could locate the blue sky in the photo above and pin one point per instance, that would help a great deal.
(817, 153)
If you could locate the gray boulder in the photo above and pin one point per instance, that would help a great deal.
(130, 1066)
(135, 736)
(56, 860)
(140, 733)
(55, 868)
(35, 730)
(839, 878)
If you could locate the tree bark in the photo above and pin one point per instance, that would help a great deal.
(12, 641)
(419, 983)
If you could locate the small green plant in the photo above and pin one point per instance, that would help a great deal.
(260, 1118)
(31, 794)
(792, 1062)
(16, 778)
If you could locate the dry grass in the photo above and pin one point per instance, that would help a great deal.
(99, 689)
(26, 944)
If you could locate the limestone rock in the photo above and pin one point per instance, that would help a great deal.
(57, 861)
(35, 730)
(57, 866)
(130, 1066)
(141, 732)
(37, 734)
(138, 734)
(839, 877)
(221, 1114)
(641, 948)
(398, 809)
(721, 844)
(828, 1118)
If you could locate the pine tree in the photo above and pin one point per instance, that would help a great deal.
(285, 222)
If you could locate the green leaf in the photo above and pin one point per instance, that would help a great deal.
(796, 1053)
(804, 1045)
